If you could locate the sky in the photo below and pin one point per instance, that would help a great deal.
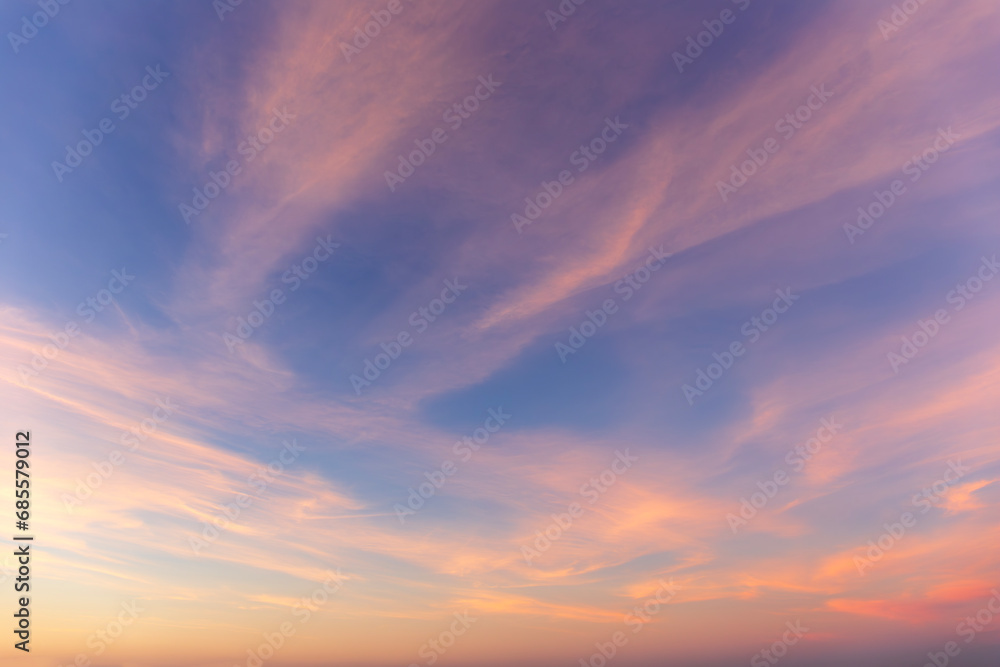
(489, 333)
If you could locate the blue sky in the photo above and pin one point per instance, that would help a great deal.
(329, 129)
